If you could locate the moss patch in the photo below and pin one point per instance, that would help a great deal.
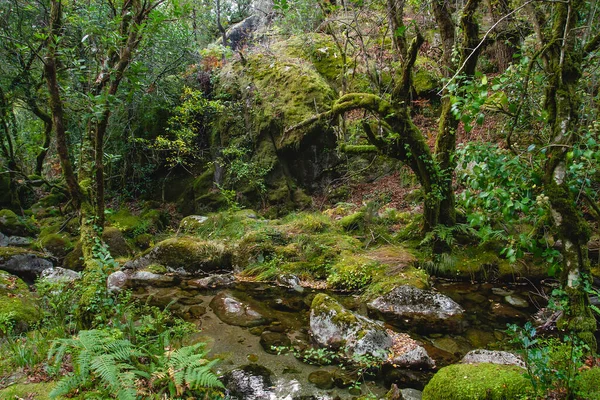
(587, 384)
(11, 224)
(17, 303)
(477, 381)
(116, 242)
(57, 244)
(33, 391)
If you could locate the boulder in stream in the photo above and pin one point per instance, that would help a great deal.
(337, 328)
(234, 311)
(422, 310)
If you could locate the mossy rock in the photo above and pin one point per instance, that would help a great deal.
(192, 223)
(74, 260)
(478, 382)
(186, 255)
(13, 225)
(587, 384)
(353, 272)
(201, 195)
(17, 303)
(143, 241)
(306, 223)
(116, 243)
(57, 244)
(425, 83)
(52, 200)
(353, 222)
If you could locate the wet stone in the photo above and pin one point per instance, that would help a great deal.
(321, 379)
(233, 311)
(197, 311)
(506, 312)
(272, 341)
(516, 301)
(251, 382)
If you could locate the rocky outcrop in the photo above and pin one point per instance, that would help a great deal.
(410, 308)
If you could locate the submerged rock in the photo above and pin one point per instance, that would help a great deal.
(251, 382)
(412, 308)
(335, 327)
(212, 282)
(234, 311)
(271, 341)
(186, 256)
(492, 357)
(516, 301)
(321, 379)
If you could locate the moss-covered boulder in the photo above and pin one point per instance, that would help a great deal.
(201, 195)
(56, 244)
(25, 263)
(116, 243)
(477, 382)
(149, 220)
(74, 260)
(17, 303)
(411, 308)
(333, 326)
(13, 225)
(187, 256)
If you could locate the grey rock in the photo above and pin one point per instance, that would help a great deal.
(335, 327)
(117, 281)
(502, 291)
(416, 358)
(492, 357)
(212, 282)
(411, 394)
(411, 308)
(23, 263)
(58, 274)
(290, 281)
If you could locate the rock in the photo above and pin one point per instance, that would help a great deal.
(335, 327)
(271, 340)
(116, 243)
(406, 378)
(288, 304)
(478, 381)
(502, 291)
(212, 282)
(251, 382)
(12, 225)
(192, 223)
(117, 281)
(233, 311)
(186, 256)
(290, 281)
(505, 312)
(416, 358)
(56, 244)
(456, 346)
(3, 240)
(74, 260)
(58, 274)
(492, 357)
(321, 379)
(17, 303)
(412, 308)
(24, 263)
(14, 241)
(411, 394)
(516, 301)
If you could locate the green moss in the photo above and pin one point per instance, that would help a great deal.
(156, 269)
(74, 260)
(37, 391)
(353, 272)
(11, 224)
(477, 381)
(143, 241)
(306, 223)
(587, 384)
(189, 253)
(425, 83)
(57, 244)
(353, 222)
(17, 303)
(126, 222)
(52, 200)
(116, 242)
(201, 195)
(324, 304)
(388, 279)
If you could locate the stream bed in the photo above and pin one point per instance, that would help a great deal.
(242, 321)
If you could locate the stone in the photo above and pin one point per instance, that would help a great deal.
(290, 281)
(12, 225)
(333, 326)
(456, 346)
(186, 256)
(23, 263)
(501, 291)
(213, 281)
(192, 223)
(321, 379)
(117, 245)
(271, 340)
(116, 281)
(416, 358)
(233, 311)
(516, 301)
(17, 303)
(250, 382)
(504, 312)
(492, 357)
(58, 274)
(411, 394)
(408, 307)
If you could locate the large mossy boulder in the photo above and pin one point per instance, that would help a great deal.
(478, 382)
(17, 303)
(56, 244)
(408, 307)
(116, 243)
(333, 326)
(186, 256)
(12, 225)
(25, 263)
